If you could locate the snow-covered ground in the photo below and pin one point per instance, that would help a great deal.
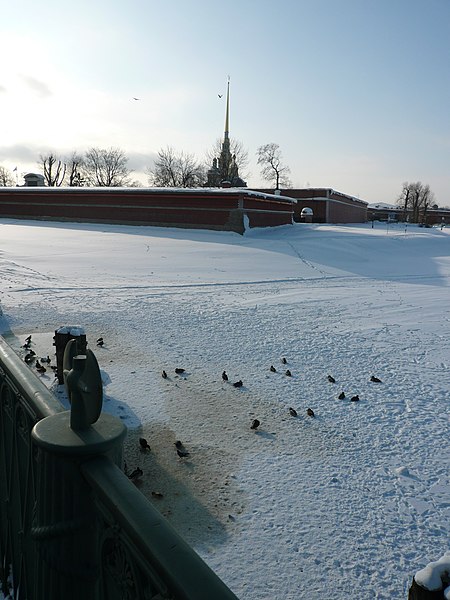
(347, 504)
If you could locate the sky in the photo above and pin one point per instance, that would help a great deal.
(355, 92)
(350, 503)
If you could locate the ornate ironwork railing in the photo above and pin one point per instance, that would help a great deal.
(72, 525)
(24, 401)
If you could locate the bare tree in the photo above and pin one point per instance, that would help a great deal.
(74, 172)
(273, 169)
(416, 198)
(404, 199)
(172, 169)
(6, 178)
(237, 150)
(106, 168)
(54, 169)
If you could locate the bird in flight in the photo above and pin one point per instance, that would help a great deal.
(220, 95)
(136, 98)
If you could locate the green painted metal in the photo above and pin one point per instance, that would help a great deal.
(83, 385)
(65, 528)
(24, 400)
(36, 399)
(72, 525)
(131, 527)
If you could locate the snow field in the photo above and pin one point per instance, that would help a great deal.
(356, 499)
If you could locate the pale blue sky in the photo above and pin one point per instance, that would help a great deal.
(355, 92)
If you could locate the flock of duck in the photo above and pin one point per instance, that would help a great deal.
(31, 358)
(254, 425)
(309, 411)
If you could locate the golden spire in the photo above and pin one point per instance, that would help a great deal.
(227, 116)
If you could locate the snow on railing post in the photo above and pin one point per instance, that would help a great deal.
(432, 582)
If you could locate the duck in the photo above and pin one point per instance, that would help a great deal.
(144, 444)
(136, 474)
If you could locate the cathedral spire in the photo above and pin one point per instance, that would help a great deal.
(224, 169)
(227, 114)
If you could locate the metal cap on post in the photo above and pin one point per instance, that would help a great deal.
(65, 524)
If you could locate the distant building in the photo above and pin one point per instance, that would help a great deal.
(34, 180)
(328, 205)
(390, 212)
(224, 171)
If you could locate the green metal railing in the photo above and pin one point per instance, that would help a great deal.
(72, 525)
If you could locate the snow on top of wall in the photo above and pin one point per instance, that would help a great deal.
(383, 206)
(72, 330)
(147, 190)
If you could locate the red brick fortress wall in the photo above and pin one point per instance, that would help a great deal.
(328, 205)
(198, 209)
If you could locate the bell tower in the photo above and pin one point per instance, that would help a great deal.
(224, 169)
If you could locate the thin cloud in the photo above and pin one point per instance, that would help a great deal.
(19, 153)
(3, 90)
(37, 86)
(139, 161)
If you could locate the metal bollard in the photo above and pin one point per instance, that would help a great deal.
(65, 529)
(417, 592)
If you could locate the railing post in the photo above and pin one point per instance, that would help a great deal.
(65, 529)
